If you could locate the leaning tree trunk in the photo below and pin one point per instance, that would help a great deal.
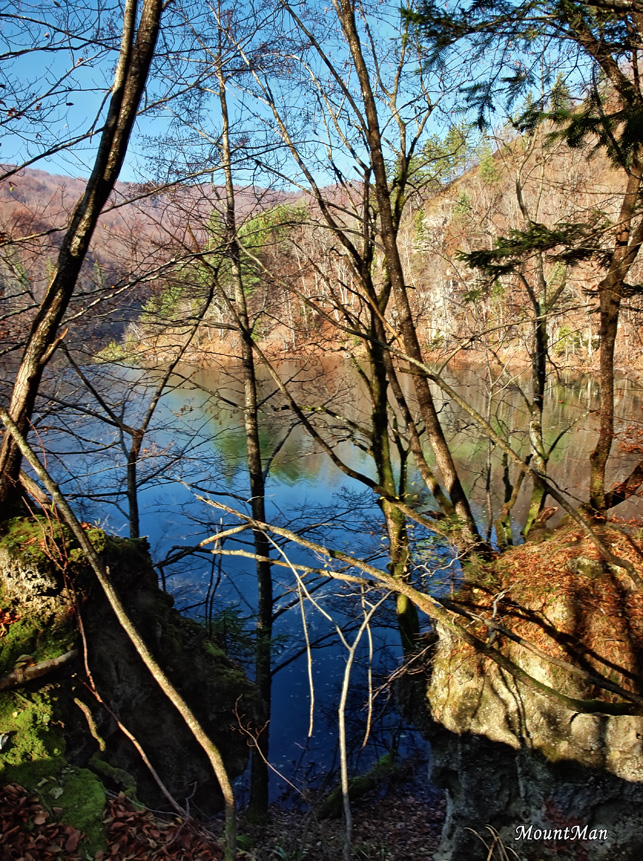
(408, 330)
(136, 52)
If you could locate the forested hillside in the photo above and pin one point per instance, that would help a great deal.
(140, 232)
(355, 366)
(481, 191)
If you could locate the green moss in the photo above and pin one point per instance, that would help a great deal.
(83, 800)
(23, 539)
(231, 680)
(215, 651)
(123, 779)
(97, 538)
(384, 769)
(73, 796)
(35, 636)
(245, 842)
(44, 540)
(29, 538)
(122, 549)
(35, 732)
(34, 758)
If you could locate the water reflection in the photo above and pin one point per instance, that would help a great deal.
(196, 446)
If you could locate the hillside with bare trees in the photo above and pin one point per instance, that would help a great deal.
(357, 369)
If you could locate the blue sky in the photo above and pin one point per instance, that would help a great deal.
(76, 68)
(58, 90)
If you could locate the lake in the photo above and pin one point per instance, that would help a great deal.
(195, 446)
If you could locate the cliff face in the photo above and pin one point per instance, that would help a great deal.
(62, 741)
(511, 757)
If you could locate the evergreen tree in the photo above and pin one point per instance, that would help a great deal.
(601, 41)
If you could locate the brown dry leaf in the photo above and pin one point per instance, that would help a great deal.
(71, 844)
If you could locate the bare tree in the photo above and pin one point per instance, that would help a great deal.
(139, 36)
(606, 50)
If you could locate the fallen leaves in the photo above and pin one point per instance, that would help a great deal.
(403, 824)
(29, 833)
(136, 833)
(566, 601)
(400, 825)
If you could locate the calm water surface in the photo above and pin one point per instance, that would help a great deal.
(196, 447)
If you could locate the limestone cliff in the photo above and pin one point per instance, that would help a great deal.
(510, 756)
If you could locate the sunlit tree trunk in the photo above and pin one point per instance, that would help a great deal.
(346, 13)
(628, 243)
(136, 52)
(396, 529)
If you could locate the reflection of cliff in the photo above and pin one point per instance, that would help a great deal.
(335, 384)
(509, 756)
(297, 457)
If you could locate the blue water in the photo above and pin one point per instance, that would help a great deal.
(196, 446)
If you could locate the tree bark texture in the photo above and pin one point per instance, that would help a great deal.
(259, 775)
(444, 459)
(136, 53)
(628, 243)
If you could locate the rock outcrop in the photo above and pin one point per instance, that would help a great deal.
(523, 763)
(60, 738)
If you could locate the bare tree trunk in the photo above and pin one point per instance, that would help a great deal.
(136, 52)
(611, 294)
(539, 457)
(259, 777)
(444, 459)
(407, 618)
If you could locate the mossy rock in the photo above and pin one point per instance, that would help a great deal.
(48, 732)
(117, 776)
(563, 597)
(42, 637)
(35, 757)
(33, 725)
(380, 772)
(74, 796)
(30, 575)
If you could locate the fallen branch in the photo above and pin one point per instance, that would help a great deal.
(434, 608)
(384, 769)
(24, 674)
